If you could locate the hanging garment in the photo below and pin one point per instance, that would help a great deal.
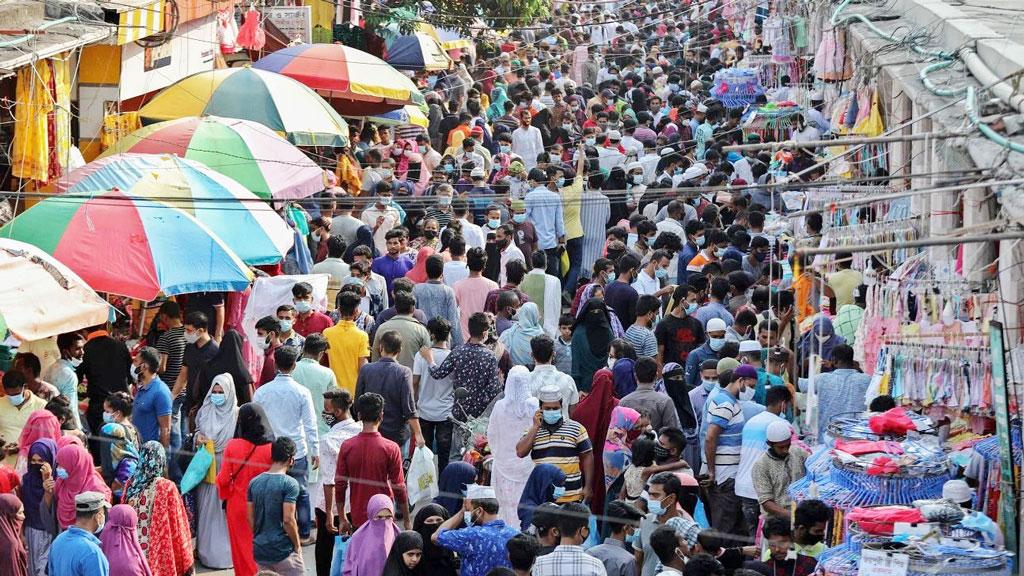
(251, 35)
(42, 122)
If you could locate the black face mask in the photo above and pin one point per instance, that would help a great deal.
(430, 234)
(329, 418)
(661, 454)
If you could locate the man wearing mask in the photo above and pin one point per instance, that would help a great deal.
(755, 439)
(268, 339)
(544, 209)
(698, 397)
(693, 242)
(381, 217)
(151, 413)
(663, 492)
(527, 142)
(62, 372)
(810, 522)
(555, 439)
(308, 321)
(715, 331)
(17, 405)
(77, 550)
(574, 529)
(724, 425)
(524, 234)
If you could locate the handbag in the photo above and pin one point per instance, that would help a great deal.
(196, 472)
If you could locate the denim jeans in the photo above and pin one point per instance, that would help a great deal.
(575, 248)
(300, 471)
(174, 471)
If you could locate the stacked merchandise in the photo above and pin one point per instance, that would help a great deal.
(737, 87)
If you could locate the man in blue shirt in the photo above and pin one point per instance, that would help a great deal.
(152, 411)
(714, 329)
(394, 264)
(480, 543)
(544, 209)
(76, 551)
(694, 241)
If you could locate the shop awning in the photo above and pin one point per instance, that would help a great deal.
(136, 19)
(50, 42)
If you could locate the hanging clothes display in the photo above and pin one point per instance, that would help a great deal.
(831, 61)
(42, 120)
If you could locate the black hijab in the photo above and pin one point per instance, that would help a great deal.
(404, 542)
(253, 425)
(364, 237)
(227, 359)
(437, 560)
(594, 319)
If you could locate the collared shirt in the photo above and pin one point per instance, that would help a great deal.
(436, 299)
(568, 560)
(646, 399)
(391, 219)
(771, 477)
(475, 368)
(693, 361)
(616, 559)
(289, 407)
(151, 402)
(317, 379)
(414, 336)
(330, 446)
(393, 381)
(471, 296)
(547, 374)
(13, 419)
(683, 526)
(315, 323)
(481, 548)
(510, 253)
(347, 344)
(544, 209)
(645, 285)
(62, 375)
(372, 464)
(76, 552)
(723, 410)
(391, 267)
(563, 447)
(713, 309)
(840, 391)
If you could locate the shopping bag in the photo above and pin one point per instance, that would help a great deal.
(595, 536)
(211, 472)
(196, 472)
(421, 481)
(338, 561)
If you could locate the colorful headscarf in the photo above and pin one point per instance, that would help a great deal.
(152, 464)
(518, 336)
(617, 453)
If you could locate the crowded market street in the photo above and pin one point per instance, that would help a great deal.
(511, 288)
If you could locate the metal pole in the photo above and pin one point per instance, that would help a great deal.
(838, 142)
(922, 243)
(906, 193)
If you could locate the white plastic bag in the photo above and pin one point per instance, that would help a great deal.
(421, 481)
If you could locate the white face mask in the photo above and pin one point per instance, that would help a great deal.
(747, 393)
(75, 362)
(611, 362)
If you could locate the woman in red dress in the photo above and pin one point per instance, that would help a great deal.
(246, 456)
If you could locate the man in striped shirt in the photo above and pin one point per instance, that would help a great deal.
(557, 440)
(722, 451)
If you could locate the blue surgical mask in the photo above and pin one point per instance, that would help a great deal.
(303, 306)
(519, 218)
(708, 385)
(589, 141)
(691, 308)
(558, 492)
(505, 149)
(560, 182)
(493, 224)
(678, 172)
(448, 168)
(631, 239)
(720, 252)
(634, 539)
(423, 149)
(286, 325)
(16, 399)
(552, 416)
(384, 200)
(444, 200)
(217, 399)
(661, 273)
(716, 343)
(108, 417)
(699, 241)
(467, 518)
(61, 473)
(654, 506)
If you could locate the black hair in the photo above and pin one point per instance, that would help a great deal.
(439, 328)
(514, 271)
(282, 450)
(811, 512)
(405, 302)
(121, 402)
(775, 526)
(664, 541)
(543, 348)
(390, 342)
(476, 259)
(575, 516)
(197, 320)
(626, 263)
(285, 357)
(370, 407)
(643, 451)
(647, 304)
(522, 551)
(269, 324)
(619, 515)
(646, 370)
(149, 356)
(315, 344)
(478, 325)
(882, 403)
(339, 398)
(703, 565)
(302, 289)
(777, 394)
(675, 436)
(434, 266)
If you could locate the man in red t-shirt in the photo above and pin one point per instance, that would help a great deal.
(372, 464)
(308, 321)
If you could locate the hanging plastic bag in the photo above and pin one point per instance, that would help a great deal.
(422, 477)
(338, 561)
(196, 471)
(595, 536)
(211, 472)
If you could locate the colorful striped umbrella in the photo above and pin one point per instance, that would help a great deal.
(134, 247)
(245, 151)
(278, 102)
(244, 221)
(402, 117)
(418, 51)
(40, 297)
(356, 83)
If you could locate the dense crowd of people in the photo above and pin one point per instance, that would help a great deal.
(564, 288)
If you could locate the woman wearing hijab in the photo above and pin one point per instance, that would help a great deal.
(215, 426)
(511, 415)
(820, 340)
(497, 108)
(369, 547)
(545, 484)
(40, 522)
(13, 556)
(246, 456)
(120, 543)
(591, 338)
(517, 337)
(418, 274)
(406, 554)
(228, 359)
(595, 412)
(364, 237)
(451, 485)
(40, 424)
(623, 428)
(74, 474)
(437, 560)
(120, 457)
(163, 523)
